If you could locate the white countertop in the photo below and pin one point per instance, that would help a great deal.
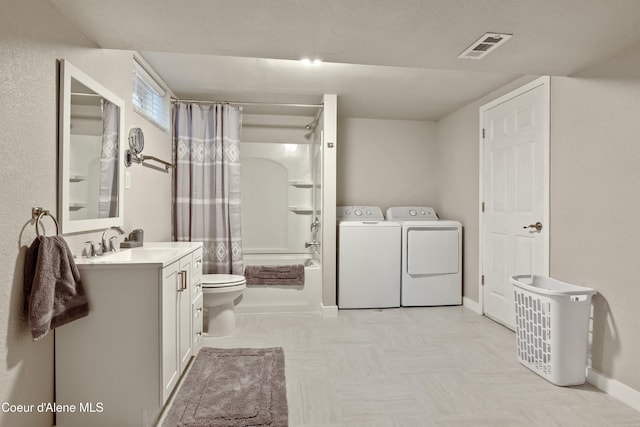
(158, 254)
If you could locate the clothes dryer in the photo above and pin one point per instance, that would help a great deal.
(368, 258)
(431, 252)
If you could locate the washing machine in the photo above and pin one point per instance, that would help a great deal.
(368, 258)
(431, 257)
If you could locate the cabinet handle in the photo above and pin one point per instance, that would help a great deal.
(183, 281)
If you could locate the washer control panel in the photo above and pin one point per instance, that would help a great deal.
(359, 213)
(417, 213)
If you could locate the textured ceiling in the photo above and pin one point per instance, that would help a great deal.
(391, 59)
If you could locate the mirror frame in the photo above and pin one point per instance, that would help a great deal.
(136, 140)
(67, 73)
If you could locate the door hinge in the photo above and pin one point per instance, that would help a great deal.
(482, 280)
(482, 133)
(482, 206)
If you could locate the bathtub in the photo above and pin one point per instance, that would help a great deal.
(283, 299)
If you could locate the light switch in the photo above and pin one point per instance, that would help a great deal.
(127, 179)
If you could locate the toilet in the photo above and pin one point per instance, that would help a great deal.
(219, 292)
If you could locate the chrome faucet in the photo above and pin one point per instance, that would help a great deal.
(315, 244)
(91, 251)
(107, 245)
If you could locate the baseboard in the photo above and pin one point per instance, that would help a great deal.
(276, 309)
(329, 310)
(615, 388)
(471, 305)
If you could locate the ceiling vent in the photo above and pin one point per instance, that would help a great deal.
(485, 44)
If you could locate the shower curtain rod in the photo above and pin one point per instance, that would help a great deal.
(271, 104)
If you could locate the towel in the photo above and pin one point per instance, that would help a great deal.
(53, 291)
(283, 275)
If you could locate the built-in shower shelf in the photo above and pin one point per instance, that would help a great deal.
(301, 184)
(301, 209)
(77, 178)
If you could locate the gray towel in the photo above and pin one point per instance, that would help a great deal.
(283, 275)
(54, 295)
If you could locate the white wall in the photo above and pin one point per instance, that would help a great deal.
(331, 145)
(595, 203)
(33, 36)
(386, 163)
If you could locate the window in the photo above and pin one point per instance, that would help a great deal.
(149, 97)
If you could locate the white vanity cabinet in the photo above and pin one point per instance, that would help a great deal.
(180, 317)
(119, 365)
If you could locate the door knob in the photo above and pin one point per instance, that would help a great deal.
(537, 226)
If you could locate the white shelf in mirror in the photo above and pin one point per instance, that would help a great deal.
(301, 209)
(301, 183)
(77, 206)
(78, 178)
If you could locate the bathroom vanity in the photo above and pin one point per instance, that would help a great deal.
(119, 365)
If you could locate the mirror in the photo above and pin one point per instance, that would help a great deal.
(136, 141)
(90, 186)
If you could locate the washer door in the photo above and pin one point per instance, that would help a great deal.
(432, 250)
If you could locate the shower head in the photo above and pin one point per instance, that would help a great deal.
(312, 125)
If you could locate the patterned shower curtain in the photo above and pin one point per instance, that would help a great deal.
(108, 193)
(206, 186)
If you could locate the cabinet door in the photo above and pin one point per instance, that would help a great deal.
(170, 290)
(184, 313)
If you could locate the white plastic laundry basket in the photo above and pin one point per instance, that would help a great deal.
(552, 326)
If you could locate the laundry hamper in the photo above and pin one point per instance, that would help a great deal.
(552, 326)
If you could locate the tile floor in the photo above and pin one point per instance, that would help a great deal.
(423, 367)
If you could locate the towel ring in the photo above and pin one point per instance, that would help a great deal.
(38, 214)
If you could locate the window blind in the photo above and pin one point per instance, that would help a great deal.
(149, 97)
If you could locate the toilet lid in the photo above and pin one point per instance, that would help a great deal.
(221, 280)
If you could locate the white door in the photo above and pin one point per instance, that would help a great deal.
(514, 194)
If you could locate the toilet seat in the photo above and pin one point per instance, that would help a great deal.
(215, 281)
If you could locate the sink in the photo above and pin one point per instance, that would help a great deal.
(158, 254)
(133, 256)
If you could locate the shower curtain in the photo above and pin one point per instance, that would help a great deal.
(206, 186)
(108, 191)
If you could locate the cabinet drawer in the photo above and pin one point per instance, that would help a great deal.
(196, 291)
(196, 266)
(197, 325)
